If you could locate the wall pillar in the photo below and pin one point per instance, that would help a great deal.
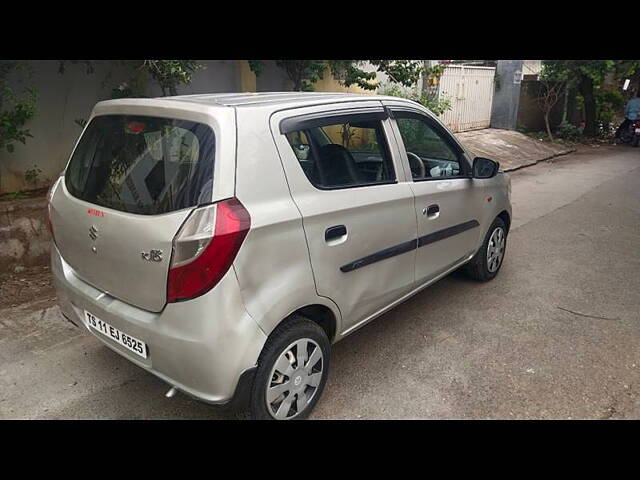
(247, 79)
(506, 97)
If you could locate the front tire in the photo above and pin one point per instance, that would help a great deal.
(486, 263)
(292, 371)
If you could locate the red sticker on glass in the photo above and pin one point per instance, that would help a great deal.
(135, 127)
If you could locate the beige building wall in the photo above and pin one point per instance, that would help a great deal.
(531, 67)
(330, 84)
(63, 98)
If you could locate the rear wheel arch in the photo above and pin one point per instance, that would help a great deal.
(317, 313)
(277, 356)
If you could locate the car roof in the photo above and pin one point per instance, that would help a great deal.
(275, 99)
(250, 102)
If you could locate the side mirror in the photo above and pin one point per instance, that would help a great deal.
(484, 167)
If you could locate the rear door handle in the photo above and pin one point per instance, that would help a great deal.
(336, 231)
(432, 211)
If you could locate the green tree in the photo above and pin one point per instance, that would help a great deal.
(171, 73)
(588, 76)
(350, 72)
(551, 89)
(402, 72)
(168, 74)
(628, 69)
(429, 100)
(304, 73)
(17, 104)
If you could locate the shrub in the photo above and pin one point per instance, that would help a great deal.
(437, 105)
(568, 131)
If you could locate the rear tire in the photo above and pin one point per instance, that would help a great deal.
(636, 140)
(292, 371)
(486, 263)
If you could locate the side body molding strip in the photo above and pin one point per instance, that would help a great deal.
(409, 246)
(381, 255)
(447, 232)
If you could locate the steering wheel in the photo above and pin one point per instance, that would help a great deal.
(416, 161)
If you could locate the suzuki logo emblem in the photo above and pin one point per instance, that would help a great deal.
(93, 232)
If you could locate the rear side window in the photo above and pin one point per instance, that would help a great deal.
(344, 152)
(143, 165)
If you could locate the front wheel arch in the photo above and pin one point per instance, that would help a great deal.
(504, 215)
(477, 267)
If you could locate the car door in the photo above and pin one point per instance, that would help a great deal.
(358, 210)
(447, 201)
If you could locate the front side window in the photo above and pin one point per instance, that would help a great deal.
(143, 165)
(342, 153)
(429, 154)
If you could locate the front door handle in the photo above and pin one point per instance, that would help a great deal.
(432, 211)
(336, 231)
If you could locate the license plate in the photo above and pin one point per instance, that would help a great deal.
(136, 346)
(637, 130)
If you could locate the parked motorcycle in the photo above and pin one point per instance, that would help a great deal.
(631, 134)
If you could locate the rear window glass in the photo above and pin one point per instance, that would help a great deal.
(144, 165)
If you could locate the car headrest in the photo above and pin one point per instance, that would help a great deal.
(338, 166)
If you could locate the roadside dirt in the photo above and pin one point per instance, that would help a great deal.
(31, 284)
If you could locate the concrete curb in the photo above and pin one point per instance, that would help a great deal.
(512, 149)
(535, 162)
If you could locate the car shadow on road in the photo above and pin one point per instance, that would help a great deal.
(138, 394)
(405, 346)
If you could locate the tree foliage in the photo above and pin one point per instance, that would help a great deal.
(628, 69)
(403, 72)
(587, 76)
(17, 105)
(437, 105)
(304, 73)
(350, 72)
(167, 74)
(551, 89)
(171, 73)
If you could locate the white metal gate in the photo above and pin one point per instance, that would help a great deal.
(470, 91)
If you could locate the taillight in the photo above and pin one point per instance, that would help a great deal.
(205, 247)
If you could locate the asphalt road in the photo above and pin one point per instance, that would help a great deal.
(555, 335)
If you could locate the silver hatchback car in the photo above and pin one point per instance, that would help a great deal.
(224, 242)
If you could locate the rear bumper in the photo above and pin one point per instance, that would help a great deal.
(203, 347)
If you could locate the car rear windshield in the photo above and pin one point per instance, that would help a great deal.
(143, 165)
